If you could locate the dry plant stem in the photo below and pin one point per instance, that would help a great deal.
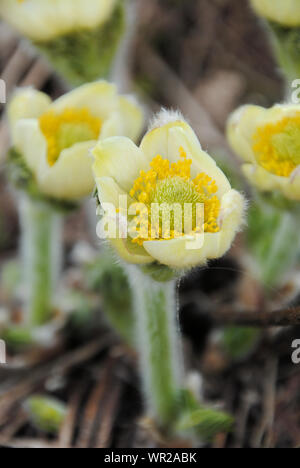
(41, 245)
(158, 343)
(277, 318)
(263, 434)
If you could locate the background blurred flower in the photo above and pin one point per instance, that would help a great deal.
(269, 141)
(54, 138)
(285, 12)
(169, 167)
(282, 23)
(80, 37)
(46, 20)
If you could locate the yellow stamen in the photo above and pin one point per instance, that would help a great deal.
(173, 182)
(277, 145)
(63, 130)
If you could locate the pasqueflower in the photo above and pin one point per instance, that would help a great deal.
(168, 168)
(54, 138)
(79, 37)
(268, 140)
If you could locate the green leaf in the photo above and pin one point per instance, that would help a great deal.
(239, 341)
(205, 422)
(46, 414)
(17, 338)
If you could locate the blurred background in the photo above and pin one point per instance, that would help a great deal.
(204, 57)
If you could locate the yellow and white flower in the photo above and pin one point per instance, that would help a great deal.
(284, 12)
(169, 167)
(269, 142)
(44, 20)
(54, 138)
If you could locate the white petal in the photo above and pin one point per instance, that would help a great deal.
(27, 103)
(130, 252)
(132, 117)
(109, 191)
(47, 19)
(285, 12)
(119, 158)
(241, 127)
(71, 177)
(182, 252)
(202, 162)
(30, 142)
(262, 179)
(232, 216)
(167, 141)
(100, 98)
(113, 126)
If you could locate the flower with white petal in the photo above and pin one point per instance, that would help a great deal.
(268, 140)
(54, 138)
(284, 12)
(43, 20)
(168, 168)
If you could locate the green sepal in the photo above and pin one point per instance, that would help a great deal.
(46, 414)
(23, 179)
(160, 273)
(205, 422)
(86, 55)
(286, 45)
(273, 237)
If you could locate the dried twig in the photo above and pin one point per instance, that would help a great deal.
(18, 391)
(277, 318)
(28, 443)
(263, 434)
(67, 430)
(108, 417)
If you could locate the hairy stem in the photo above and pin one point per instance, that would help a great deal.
(155, 308)
(41, 253)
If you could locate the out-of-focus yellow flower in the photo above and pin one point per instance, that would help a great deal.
(43, 20)
(269, 141)
(79, 37)
(168, 168)
(284, 12)
(54, 139)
